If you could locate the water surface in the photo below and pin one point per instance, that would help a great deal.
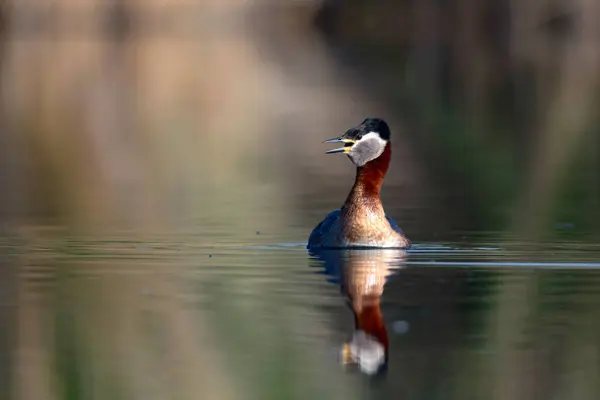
(159, 315)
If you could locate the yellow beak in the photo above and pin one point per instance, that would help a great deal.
(348, 143)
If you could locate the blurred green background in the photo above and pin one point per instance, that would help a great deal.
(113, 109)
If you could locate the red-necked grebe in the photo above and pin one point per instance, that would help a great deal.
(361, 222)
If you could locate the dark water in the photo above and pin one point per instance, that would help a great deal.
(196, 315)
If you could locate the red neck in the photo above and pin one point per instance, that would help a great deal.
(370, 176)
(370, 320)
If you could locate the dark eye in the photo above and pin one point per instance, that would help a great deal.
(359, 136)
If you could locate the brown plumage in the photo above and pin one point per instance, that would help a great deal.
(363, 217)
(362, 222)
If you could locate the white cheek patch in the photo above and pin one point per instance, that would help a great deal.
(368, 148)
(380, 142)
(374, 135)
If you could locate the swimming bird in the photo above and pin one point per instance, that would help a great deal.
(362, 222)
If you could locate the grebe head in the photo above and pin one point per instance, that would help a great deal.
(365, 142)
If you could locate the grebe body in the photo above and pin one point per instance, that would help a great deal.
(362, 222)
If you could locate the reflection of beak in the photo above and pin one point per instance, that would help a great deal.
(347, 145)
(346, 355)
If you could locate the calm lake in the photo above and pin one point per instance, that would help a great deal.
(212, 313)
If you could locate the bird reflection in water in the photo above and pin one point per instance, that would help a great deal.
(362, 274)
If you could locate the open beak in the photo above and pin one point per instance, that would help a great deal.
(348, 143)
